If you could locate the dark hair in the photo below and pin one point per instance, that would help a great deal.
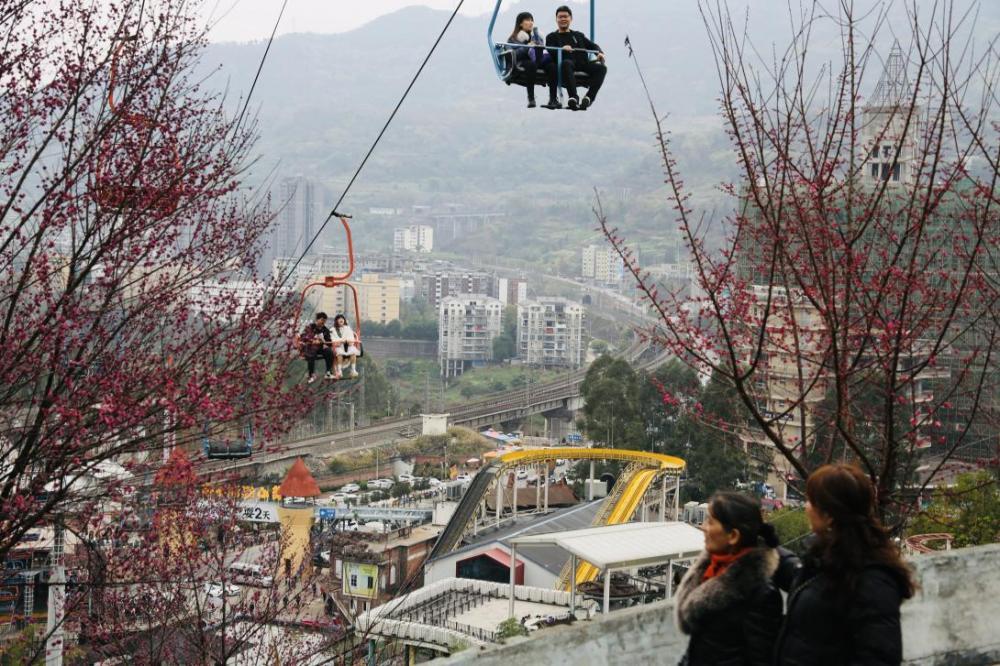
(523, 16)
(856, 536)
(563, 8)
(737, 511)
(321, 315)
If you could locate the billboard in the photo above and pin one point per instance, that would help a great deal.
(360, 580)
(257, 512)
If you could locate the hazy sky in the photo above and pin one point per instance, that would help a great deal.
(244, 20)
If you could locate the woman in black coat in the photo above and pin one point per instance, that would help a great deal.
(843, 609)
(727, 602)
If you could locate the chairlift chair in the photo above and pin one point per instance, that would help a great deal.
(332, 282)
(504, 58)
(225, 449)
(138, 165)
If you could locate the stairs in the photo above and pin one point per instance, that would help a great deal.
(452, 534)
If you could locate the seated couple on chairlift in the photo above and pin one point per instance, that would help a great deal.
(532, 57)
(341, 342)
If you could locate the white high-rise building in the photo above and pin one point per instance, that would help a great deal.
(467, 326)
(550, 332)
(602, 264)
(414, 238)
(892, 124)
(299, 199)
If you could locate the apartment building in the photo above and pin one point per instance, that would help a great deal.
(378, 298)
(510, 291)
(414, 238)
(550, 333)
(439, 285)
(467, 326)
(602, 264)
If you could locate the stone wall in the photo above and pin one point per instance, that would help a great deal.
(386, 348)
(953, 621)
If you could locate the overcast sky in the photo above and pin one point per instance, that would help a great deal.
(245, 20)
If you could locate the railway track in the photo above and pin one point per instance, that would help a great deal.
(525, 398)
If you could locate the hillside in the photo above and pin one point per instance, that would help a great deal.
(464, 137)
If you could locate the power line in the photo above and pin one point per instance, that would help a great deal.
(260, 67)
(333, 213)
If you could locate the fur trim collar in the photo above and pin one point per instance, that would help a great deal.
(696, 599)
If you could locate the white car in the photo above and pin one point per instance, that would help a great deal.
(381, 484)
(407, 478)
(522, 474)
(337, 499)
(350, 488)
(435, 483)
(218, 590)
(464, 478)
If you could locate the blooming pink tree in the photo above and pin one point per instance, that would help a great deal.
(852, 306)
(156, 587)
(128, 320)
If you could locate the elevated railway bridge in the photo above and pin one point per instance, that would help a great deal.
(559, 395)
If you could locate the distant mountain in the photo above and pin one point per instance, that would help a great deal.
(464, 137)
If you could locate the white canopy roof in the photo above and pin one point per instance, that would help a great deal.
(626, 545)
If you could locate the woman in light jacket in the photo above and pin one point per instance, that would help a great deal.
(345, 346)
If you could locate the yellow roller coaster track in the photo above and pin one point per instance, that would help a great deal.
(657, 464)
(658, 461)
(632, 494)
(621, 513)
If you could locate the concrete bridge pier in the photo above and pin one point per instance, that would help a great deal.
(558, 423)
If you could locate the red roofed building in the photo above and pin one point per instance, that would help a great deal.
(299, 482)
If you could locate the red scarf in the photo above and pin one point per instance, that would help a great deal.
(720, 563)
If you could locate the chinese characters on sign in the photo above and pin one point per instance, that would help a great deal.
(258, 512)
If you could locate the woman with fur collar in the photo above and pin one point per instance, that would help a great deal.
(727, 602)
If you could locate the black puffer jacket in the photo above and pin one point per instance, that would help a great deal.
(819, 630)
(734, 618)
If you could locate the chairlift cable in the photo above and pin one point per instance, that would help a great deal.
(260, 66)
(333, 213)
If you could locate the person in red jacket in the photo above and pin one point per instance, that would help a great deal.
(727, 602)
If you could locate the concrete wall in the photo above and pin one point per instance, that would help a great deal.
(951, 621)
(386, 348)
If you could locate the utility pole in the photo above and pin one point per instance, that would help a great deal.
(57, 598)
(351, 407)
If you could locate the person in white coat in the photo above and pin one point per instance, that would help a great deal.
(345, 346)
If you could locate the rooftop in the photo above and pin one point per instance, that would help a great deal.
(625, 545)
(299, 482)
(550, 557)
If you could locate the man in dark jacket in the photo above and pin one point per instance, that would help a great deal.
(316, 341)
(573, 61)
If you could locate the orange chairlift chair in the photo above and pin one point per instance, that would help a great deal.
(138, 164)
(332, 282)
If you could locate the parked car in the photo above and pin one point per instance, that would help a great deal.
(522, 474)
(337, 499)
(217, 590)
(350, 488)
(407, 478)
(381, 484)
